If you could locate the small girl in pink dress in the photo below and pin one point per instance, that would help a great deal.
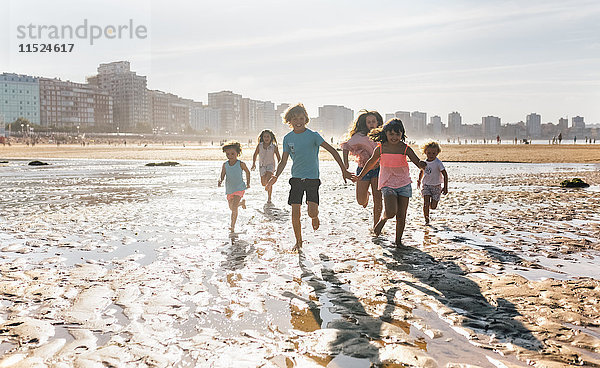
(394, 174)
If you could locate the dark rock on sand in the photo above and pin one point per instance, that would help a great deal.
(38, 163)
(574, 183)
(167, 163)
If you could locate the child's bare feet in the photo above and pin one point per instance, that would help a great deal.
(298, 246)
(377, 229)
(315, 223)
(398, 242)
(243, 203)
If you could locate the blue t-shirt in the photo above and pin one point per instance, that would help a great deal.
(304, 151)
(234, 181)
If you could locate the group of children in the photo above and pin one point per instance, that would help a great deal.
(381, 154)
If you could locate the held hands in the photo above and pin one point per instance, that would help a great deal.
(348, 175)
(422, 164)
(253, 166)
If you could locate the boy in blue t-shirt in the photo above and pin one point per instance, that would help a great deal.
(302, 145)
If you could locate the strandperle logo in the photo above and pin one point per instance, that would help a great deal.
(84, 31)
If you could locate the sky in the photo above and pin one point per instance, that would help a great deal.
(480, 58)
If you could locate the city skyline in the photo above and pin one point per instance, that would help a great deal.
(503, 59)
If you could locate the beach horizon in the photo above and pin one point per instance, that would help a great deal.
(506, 153)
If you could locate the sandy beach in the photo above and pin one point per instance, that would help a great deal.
(521, 153)
(108, 262)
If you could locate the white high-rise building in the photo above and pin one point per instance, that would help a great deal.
(229, 105)
(490, 126)
(436, 125)
(454, 124)
(419, 123)
(404, 116)
(533, 123)
(577, 122)
(334, 120)
(128, 91)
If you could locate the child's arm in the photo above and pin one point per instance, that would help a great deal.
(254, 157)
(421, 173)
(370, 163)
(277, 154)
(279, 170)
(445, 175)
(222, 175)
(345, 173)
(345, 156)
(245, 168)
(415, 159)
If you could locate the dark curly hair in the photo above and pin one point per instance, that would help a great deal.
(378, 134)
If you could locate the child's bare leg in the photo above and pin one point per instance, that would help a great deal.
(362, 192)
(377, 201)
(313, 213)
(434, 204)
(297, 225)
(265, 179)
(426, 205)
(401, 218)
(390, 203)
(233, 206)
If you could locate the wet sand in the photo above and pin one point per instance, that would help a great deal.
(521, 153)
(111, 263)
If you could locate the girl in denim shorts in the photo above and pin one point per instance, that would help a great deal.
(394, 174)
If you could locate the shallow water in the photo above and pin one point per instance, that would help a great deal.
(135, 263)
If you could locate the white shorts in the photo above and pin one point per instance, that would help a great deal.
(263, 169)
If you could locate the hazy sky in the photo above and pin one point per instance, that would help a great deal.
(502, 58)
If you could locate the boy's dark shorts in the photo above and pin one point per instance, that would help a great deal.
(299, 186)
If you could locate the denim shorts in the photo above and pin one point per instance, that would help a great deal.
(370, 175)
(405, 191)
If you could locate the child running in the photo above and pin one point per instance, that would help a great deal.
(234, 184)
(302, 144)
(431, 176)
(361, 147)
(266, 150)
(394, 174)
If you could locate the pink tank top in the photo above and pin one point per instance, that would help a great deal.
(393, 172)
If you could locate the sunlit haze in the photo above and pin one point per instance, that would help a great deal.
(502, 58)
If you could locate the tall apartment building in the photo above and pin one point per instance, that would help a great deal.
(419, 123)
(454, 124)
(128, 90)
(388, 117)
(490, 126)
(229, 105)
(266, 115)
(406, 119)
(334, 120)
(577, 122)
(563, 124)
(533, 123)
(203, 118)
(19, 97)
(436, 125)
(68, 106)
(169, 112)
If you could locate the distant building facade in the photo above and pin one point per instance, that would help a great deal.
(128, 90)
(577, 122)
(204, 119)
(19, 97)
(490, 126)
(67, 105)
(533, 123)
(334, 120)
(454, 124)
(229, 105)
(436, 125)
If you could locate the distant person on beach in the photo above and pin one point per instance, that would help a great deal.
(303, 144)
(234, 184)
(432, 177)
(394, 174)
(266, 150)
(361, 147)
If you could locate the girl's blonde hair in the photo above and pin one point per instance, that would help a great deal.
(360, 124)
(233, 144)
(431, 144)
(270, 132)
(297, 109)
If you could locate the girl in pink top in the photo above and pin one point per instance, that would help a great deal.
(361, 147)
(394, 175)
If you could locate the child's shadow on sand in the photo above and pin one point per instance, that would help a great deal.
(462, 295)
(274, 214)
(237, 253)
